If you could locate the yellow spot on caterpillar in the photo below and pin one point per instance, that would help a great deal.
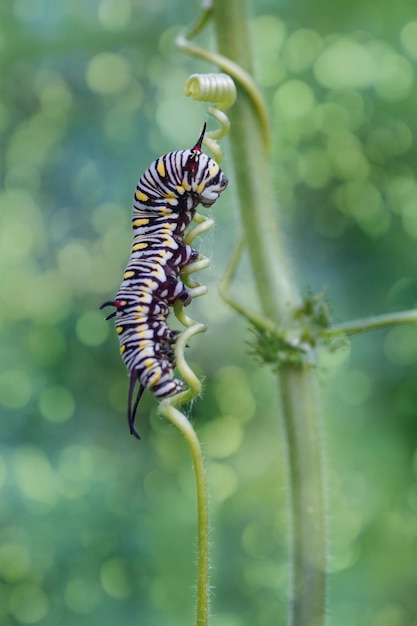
(145, 297)
(214, 170)
(142, 334)
(139, 246)
(200, 187)
(128, 274)
(155, 378)
(161, 168)
(186, 185)
(119, 329)
(122, 349)
(171, 197)
(170, 242)
(150, 283)
(141, 222)
(142, 197)
(169, 227)
(181, 189)
(159, 272)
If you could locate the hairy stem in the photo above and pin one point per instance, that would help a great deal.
(189, 434)
(279, 298)
(376, 322)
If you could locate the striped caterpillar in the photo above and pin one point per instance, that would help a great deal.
(164, 204)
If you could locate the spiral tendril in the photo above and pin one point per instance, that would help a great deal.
(219, 89)
(167, 409)
(239, 75)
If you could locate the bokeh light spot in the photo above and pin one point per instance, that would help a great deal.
(92, 329)
(115, 579)
(48, 297)
(314, 168)
(384, 143)
(56, 404)
(82, 596)
(401, 345)
(345, 64)
(223, 437)
(109, 215)
(301, 49)
(345, 153)
(269, 34)
(74, 261)
(294, 99)
(363, 201)
(29, 604)
(409, 39)
(108, 73)
(233, 393)
(54, 93)
(331, 118)
(35, 476)
(114, 13)
(400, 190)
(22, 229)
(223, 481)
(395, 77)
(15, 562)
(15, 388)
(409, 216)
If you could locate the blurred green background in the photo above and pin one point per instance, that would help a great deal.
(95, 526)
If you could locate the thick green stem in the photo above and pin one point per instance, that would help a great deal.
(252, 171)
(304, 446)
(279, 299)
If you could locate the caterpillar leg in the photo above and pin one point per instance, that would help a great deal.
(175, 290)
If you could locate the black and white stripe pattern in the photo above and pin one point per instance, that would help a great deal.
(164, 204)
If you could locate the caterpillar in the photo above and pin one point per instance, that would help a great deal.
(164, 204)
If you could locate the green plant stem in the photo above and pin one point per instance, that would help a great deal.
(304, 450)
(371, 323)
(189, 434)
(252, 169)
(279, 298)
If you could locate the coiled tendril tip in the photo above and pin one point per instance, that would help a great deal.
(220, 90)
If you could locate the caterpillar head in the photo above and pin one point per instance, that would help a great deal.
(204, 175)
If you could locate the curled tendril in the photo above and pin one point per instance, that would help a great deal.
(167, 409)
(239, 75)
(219, 89)
(203, 224)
